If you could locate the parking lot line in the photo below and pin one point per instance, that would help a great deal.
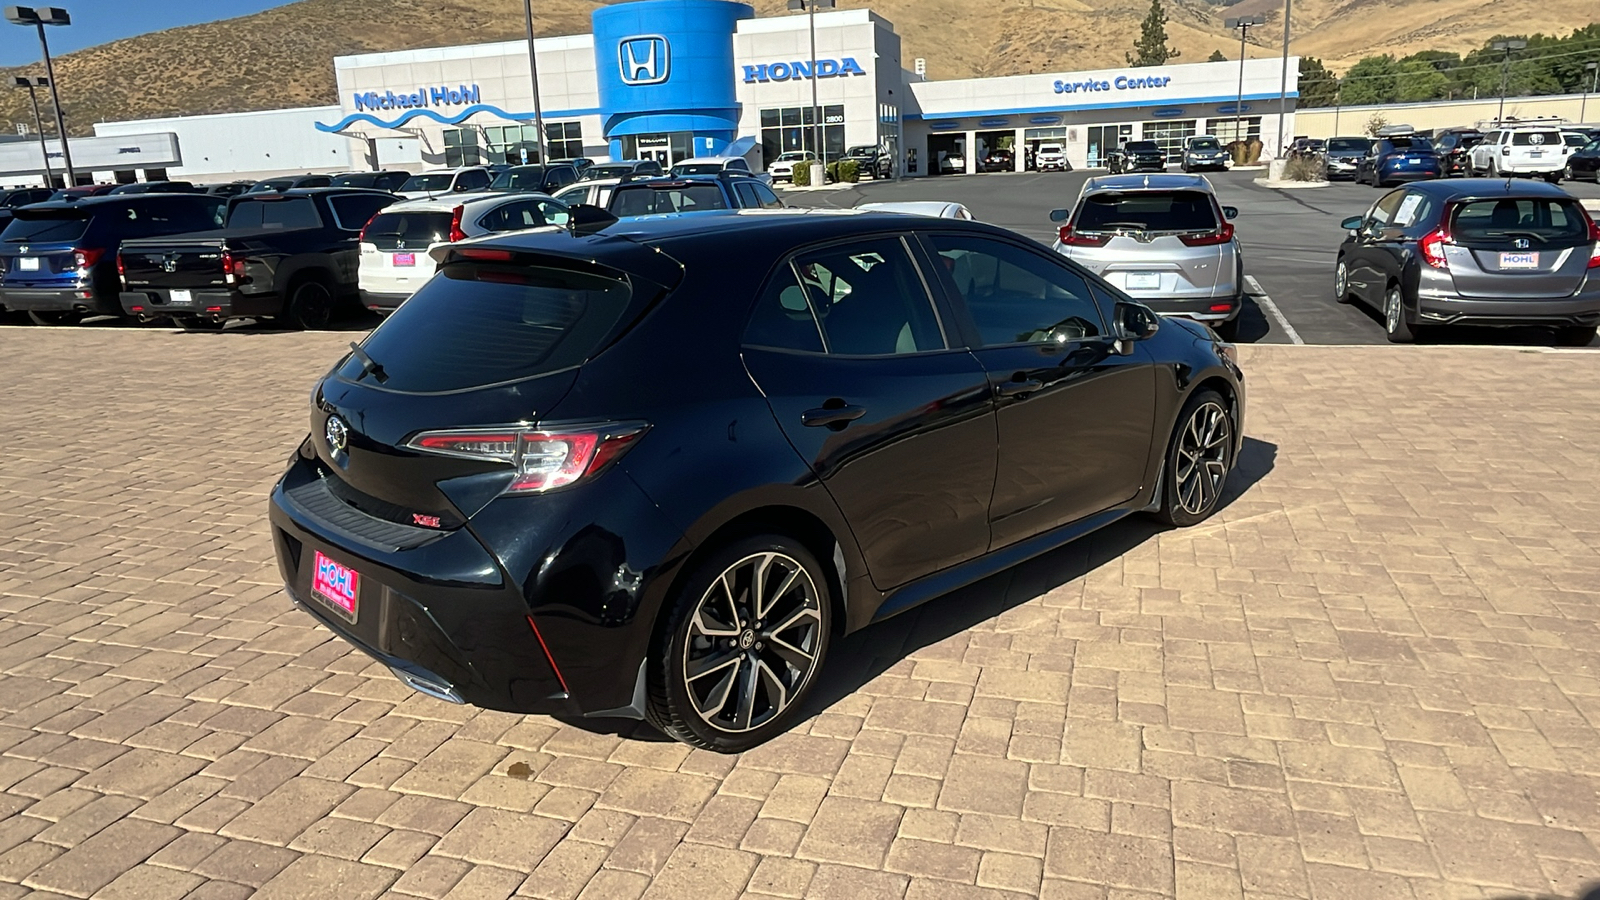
(1277, 314)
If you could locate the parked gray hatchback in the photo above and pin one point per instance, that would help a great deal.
(1164, 240)
(1477, 251)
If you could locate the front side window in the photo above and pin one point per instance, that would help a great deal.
(1016, 296)
(1383, 211)
(869, 298)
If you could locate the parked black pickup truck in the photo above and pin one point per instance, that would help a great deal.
(289, 256)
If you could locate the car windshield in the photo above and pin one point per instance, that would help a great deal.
(519, 180)
(21, 231)
(616, 171)
(645, 200)
(792, 156)
(1205, 144)
(694, 168)
(1146, 211)
(1535, 138)
(484, 324)
(439, 181)
(1143, 146)
(1547, 220)
(1348, 145)
(861, 151)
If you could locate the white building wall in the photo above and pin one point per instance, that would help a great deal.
(247, 145)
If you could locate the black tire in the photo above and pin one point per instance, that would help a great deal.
(39, 317)
(1395, 326)
(1229, 330)
(1575, 335)
(1199, 460)
(310, 304)
(197, 324)
(712, 607)
(1341, 281)
(1494, 169)
(1554, 177)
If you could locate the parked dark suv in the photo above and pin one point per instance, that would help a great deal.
(653, 471)
(1137, 156)
(1477, 251)
(1453, 147)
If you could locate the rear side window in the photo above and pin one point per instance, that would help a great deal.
(783, 318)
(1547, 220)
(157, 217)
(22, 231)
(869, 298)
(1147, 211)
(474, 325)
(1535, 139)
(645, 201)
(294, 212)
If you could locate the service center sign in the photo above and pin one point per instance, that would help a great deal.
(1120, 83)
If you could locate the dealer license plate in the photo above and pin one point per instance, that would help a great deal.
(336, 586)
(1535, 153)
(1519, 260)
(181, 298)
(405, 259)
(27, 263)
(1144, 281)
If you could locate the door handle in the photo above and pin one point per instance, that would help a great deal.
(831, 415)
(1018, 387)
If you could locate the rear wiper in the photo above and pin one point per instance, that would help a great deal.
(369, 366)
(1531, 234)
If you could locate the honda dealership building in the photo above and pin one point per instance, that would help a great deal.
(671, 79)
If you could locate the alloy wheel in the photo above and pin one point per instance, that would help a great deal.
(753, 642)
(1341, 281)
(1391, 311)
(1202, 458)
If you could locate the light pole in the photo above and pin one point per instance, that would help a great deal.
(1283, 77)
(1338, 102)
(817, 131)
(1244, 24)
(38, 123)
(1505, 70)
(1594, 83)
(533, 74)
(39, 18)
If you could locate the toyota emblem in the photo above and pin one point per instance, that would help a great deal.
(337, 433)
(1536, 138)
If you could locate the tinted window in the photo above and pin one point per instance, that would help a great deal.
(1383, 211)
(417, 229)
(1204, 144)
(560, 176)
(520, 179)
(572, 195)
(1549, 220)
(294, 212)
(22, 231)
(616, 171)
(313, 181)
(1017, 296)
(1147, 211)
(782, 317)
(363, 179)
(738, 165)
(471, 181)
(1413, 142)
(439, 181)
(768, 199)
(869, 298)
(1574, 140)
(155, 217)
(1142, 145)
(553, 212)
(353, 210)
(1348, 145)
(644, 200)
(694, 168)
(474, 325)
(1535, 139)
(513, 217)
(747, 196)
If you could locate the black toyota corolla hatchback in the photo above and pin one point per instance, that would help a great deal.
(651, 471)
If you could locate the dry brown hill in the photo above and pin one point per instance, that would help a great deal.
(283, 57)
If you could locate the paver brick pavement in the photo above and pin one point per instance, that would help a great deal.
(1373, 674)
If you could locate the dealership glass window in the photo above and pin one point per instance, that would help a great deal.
(461, 147)
(1169, 136)
(565, 139)
(1229, 129)
(791, 128)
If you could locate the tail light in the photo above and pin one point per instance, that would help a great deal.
(1432, 247)
(544, 459)
(122, 271)
(1594, 235)
(362, 239)
(232, 267)
(1079, 239)
(1222, 235)
(456, 234)
(83, 259)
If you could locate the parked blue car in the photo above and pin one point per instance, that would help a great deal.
(58, 260)
(1399, 158)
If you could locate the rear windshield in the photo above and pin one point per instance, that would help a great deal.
(1411, 142)
(439, 182)
(475, 325)
(1347, 145)
(645, 200)
(595, 172)
(1147, 211)
(21, 231)
(418, 227)
(1205, 144)
(519, 180)
(294, 212)
(697, 168)
(1548, 220)
(1535, 138)
(279, 184)
(365, 179)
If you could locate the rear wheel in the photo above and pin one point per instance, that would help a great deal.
(1575, 335)
(742, 645)
(1229, 330)
(310, 304)
(1395, 327)
(54, 318)
(1199, 458)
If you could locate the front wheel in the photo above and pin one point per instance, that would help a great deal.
(1395, 326)
(1575, 335)
(1341, 282)
(741, 647)
(1199, 458)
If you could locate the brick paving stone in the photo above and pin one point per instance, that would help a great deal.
(1371, 675)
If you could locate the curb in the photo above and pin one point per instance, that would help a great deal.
(1290, 185)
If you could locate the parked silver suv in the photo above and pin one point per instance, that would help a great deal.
(1164, 240)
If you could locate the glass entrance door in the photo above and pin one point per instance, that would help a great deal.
(666, 149)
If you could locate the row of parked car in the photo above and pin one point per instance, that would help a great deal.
(1551, 150)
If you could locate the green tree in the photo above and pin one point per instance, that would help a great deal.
(1151, 48)
(1216, 56)
(1318, 87)
(1416, 80)
(1372, 80)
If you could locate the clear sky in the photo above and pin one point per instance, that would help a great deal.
(98, 21)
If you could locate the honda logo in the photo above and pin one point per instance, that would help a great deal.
(645, 59)
(1520, 243)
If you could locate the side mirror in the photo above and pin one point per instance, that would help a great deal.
(1134, 322)
(1230, 212)
(1060, 215)
(1351, 224)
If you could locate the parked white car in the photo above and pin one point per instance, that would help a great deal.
(938, 209)
(782, 168)
(394, 258)
(437, 182)
(717, 165)
(595, 192)
(1536, 150)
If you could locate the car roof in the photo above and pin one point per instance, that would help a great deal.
(1151, 182)
(914, 207)
(707, 159)
(1469, 188)
(446, 204)
(115, 199)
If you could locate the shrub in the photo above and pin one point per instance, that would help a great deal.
(849, 171)
(802, 174)
(1305, 168)
(1252, 153)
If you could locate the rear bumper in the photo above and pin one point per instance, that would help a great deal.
(212, 304)
(1403, 176)
(74, 299)
(1581, 310)
(1201, 310)
(383, 301)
